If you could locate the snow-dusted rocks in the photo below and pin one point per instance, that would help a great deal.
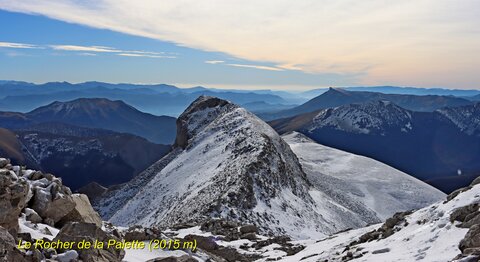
(82, 212)
(375, 117)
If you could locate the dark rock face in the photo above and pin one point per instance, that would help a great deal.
(82, 212)
(8, 251)
(13, 196)
(78, 231)
(184, 133)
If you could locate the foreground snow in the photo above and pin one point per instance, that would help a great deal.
(429, 236)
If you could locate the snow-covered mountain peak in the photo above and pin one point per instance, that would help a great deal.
(378, 116)
(228, 164)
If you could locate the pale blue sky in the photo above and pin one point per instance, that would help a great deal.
(243, 44)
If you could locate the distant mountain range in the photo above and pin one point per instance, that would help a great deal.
(337, 97)
(155, 99)
(441, 147)
(80, 155)
(399, 90)
(475, 98)
(97, 113)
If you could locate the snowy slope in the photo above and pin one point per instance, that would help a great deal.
(360, 183)
(428, 235)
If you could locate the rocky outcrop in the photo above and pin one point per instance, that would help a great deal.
(471, 243)
(13, 196)
(78, 231)
(39, 199)
(387, 229)
(51, 204)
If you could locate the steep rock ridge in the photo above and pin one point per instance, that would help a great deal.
(234, 166)
(370, 190)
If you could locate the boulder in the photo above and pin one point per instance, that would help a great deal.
(8, 250)
(13, 196)
(249, 236)
(51, 202)
(471, 239)
(141, 234)
(82, 212)
(248, 229)
(78, 231)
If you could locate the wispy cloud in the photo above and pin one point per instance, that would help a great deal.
(269, 68)
(78, 48)
(88, 54)
(18, 45)
(214, 62)
(89, 50)
(145, 55)
(409, 42)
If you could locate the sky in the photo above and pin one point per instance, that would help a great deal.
(276, 44)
